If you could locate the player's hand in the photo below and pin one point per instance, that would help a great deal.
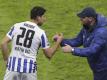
(67, 49)
(54, 38)
(58, 37)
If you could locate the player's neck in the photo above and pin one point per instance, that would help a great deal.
(34, 21)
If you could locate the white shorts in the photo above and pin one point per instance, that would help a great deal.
(10, 75)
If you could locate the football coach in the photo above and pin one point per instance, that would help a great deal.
(93, 38)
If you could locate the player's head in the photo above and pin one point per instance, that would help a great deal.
(37, 13)
(87, 15)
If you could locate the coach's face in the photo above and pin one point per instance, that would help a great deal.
(86, 21)
(41, 20)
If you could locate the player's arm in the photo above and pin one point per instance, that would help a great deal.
(4, 48)
(4, 43)
(49, 52)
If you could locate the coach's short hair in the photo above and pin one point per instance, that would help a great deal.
(37, 11)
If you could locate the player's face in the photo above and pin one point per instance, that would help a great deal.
(41, 20)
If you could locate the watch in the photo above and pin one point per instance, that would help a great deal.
(72, 49)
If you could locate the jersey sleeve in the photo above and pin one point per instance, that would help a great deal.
(44, 41)
(10, 34)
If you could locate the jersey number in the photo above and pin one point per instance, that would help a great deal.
(27, 35)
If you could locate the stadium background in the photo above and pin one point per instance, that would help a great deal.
(61, 17)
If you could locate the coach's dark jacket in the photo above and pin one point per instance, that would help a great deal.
(94, 41)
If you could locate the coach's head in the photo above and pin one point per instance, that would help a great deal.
(88, 17)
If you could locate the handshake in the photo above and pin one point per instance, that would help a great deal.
(66, 48)
(58, 37)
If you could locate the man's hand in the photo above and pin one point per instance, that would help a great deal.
(67, 49)
(49, 52)
(58, 37)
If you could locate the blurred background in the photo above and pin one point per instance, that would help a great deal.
(61, 17)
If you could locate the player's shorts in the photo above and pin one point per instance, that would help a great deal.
(101, 75)
(10, 75)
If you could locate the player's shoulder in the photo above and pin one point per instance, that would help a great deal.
(37, 28)
(19, 23)
(40, 31)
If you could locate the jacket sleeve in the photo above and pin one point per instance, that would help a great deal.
(75, 42)
(96, 46)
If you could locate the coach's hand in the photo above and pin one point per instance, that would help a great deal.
(67, 49)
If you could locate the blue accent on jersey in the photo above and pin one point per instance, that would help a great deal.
(30, 69)
(19, 65)
(10, 60)
(13, 64)
(43, 41)
(10, 33)
(34, 68)
(25, 66)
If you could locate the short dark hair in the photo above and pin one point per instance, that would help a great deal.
(37, 11)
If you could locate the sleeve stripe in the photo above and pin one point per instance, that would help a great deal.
(10, 33)
(43, 41)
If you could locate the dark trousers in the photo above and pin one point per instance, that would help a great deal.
(101, 75)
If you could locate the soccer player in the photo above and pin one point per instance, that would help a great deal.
(26, 38)
(93, 37)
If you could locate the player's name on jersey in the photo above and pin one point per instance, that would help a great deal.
(22, 50)
(28, 25)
